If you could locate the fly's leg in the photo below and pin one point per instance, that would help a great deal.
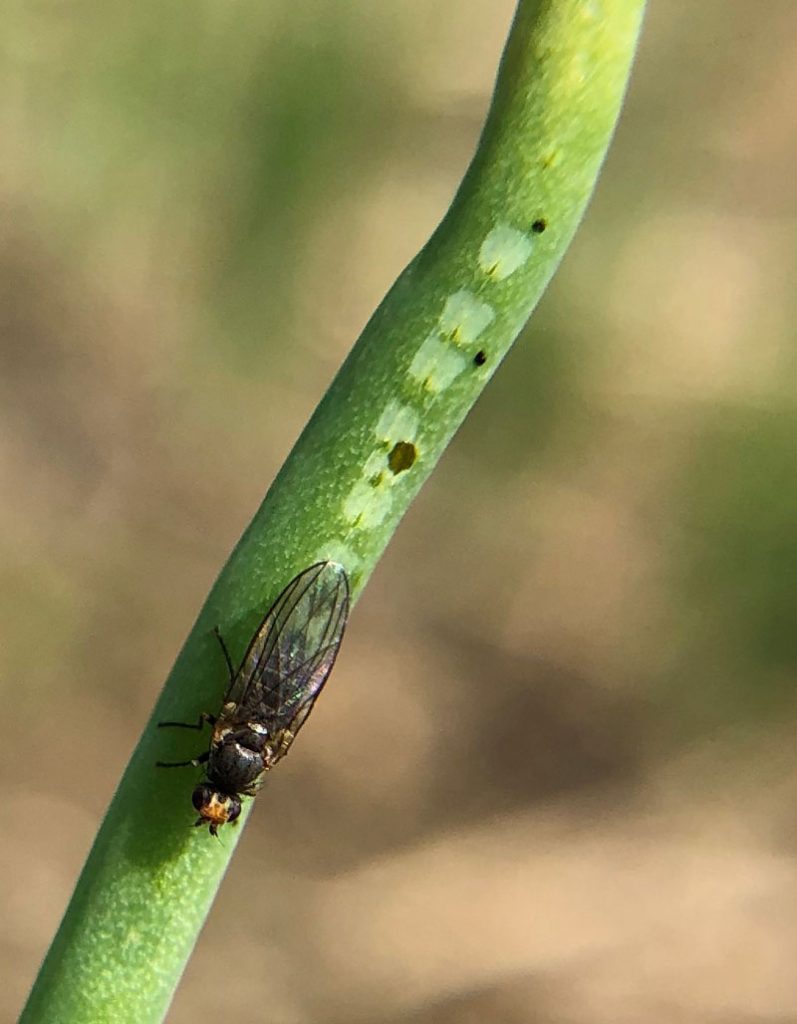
(226, 653)
(196, 761)
(193, 763)
(204, 717)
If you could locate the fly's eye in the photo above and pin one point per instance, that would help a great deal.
(233, 808)
(201, 796)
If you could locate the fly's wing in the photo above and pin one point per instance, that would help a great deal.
(294, 650)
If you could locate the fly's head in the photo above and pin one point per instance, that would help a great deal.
(215, 807)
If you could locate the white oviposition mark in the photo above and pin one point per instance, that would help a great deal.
(337, 552)
(436, 364)
(397, 423)
(503, 251)
(366, 504)
(369, 499)
(374, 465)
(464, 317)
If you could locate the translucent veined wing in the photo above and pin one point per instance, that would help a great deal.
(293, 651)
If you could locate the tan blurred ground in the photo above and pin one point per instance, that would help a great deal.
(553, 778)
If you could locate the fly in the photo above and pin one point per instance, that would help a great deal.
(270, 696)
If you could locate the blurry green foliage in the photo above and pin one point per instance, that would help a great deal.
(218, 148)
(737, 591)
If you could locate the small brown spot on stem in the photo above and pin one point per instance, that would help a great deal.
(402, 455)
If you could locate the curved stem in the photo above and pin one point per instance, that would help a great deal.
(417, 369)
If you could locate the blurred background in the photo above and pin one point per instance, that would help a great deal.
(564, 790)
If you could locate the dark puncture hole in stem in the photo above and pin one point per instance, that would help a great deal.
(539, 226)
(401, 457)
(480, 358)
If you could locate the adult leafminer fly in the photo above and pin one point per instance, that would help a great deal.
(270, 696)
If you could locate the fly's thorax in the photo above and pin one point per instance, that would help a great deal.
(248, 734)
(225, 723)
(238, 755)
(244, 736)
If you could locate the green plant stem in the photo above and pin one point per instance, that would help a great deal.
(417, 369)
